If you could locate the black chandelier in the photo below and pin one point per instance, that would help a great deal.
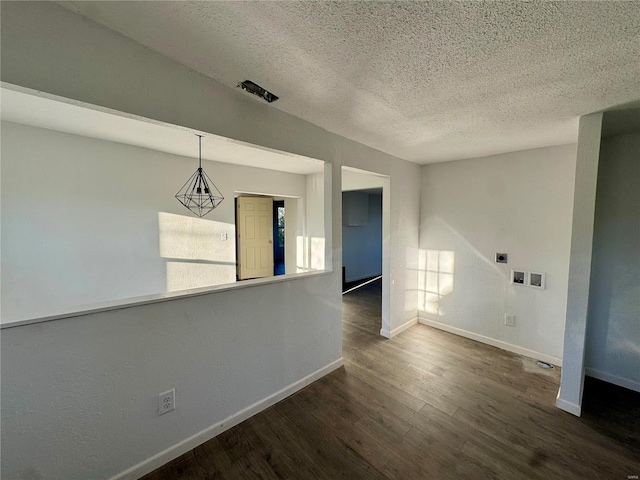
(199, 194)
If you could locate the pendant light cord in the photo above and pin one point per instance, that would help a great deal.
(199, 163)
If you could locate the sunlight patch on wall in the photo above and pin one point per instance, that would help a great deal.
(310, 253)
(411, 279)
(191, 238)
(435, 279)
(202, 252)
(300, 250)
(317, 253)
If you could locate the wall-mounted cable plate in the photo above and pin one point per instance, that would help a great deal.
(536, 280)
(518, 277)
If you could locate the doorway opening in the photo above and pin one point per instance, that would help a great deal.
(365, 245)
(272, 235)
(278, 237)
(254, 237)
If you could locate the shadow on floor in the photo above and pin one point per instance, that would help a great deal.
(613, 411)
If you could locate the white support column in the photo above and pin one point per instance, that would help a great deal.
(584, 201)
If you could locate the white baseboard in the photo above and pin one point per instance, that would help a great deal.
(572, 408)
(362, 277)
(492, 341)
(607, 377)
(397, 330)
(150, 464)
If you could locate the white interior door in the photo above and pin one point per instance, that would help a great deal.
(255, 237)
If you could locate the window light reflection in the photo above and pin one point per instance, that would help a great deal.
(435, 279)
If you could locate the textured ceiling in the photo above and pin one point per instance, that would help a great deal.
(424, 81)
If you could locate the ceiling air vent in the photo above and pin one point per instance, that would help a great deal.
(251, 87)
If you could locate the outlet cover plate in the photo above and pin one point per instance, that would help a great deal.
(167, 401)
(509, 320)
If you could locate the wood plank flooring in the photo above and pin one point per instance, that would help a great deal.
(425, 405)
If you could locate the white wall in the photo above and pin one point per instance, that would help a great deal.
(362, 246)
(228, 349)
(103, 223)
(613, 326)
(520, 204)
(79, 396)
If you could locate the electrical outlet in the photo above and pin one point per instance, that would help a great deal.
(224, 236)
(509, 320)
(167, 401)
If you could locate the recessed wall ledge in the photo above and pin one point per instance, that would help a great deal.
(161, 297)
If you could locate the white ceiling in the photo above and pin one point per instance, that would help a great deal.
(20, 105)
(425, 81)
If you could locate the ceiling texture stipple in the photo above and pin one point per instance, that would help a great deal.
(424, 81)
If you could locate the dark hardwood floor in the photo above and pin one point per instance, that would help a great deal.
(425, 405)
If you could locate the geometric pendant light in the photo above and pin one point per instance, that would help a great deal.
(199, 194)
